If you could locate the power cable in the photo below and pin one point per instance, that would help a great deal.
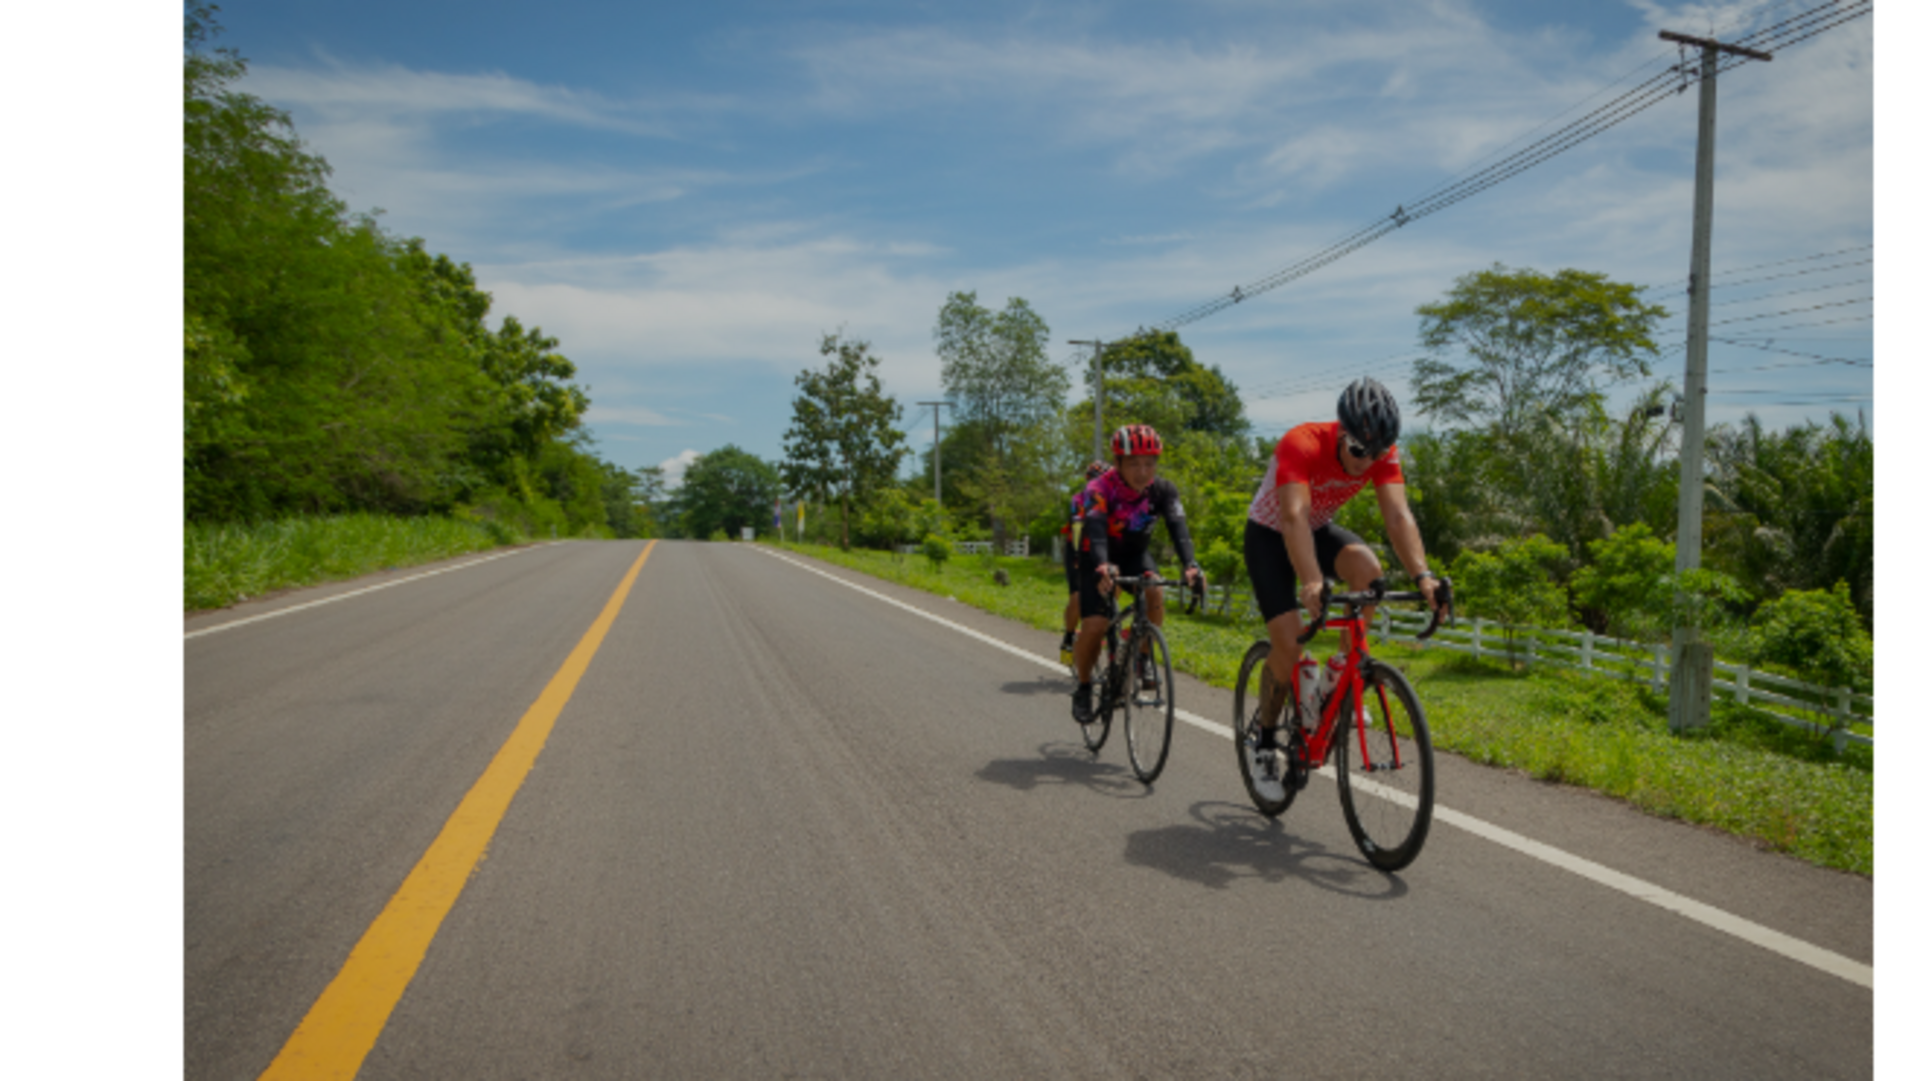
(1648, 93)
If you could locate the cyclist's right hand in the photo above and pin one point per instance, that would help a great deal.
(1107, 572)
(1313, 598)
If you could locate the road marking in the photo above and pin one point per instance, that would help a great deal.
(355, 593)
(338, 1032)
(1785, 945)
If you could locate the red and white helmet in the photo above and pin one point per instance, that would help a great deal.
(1135, 439)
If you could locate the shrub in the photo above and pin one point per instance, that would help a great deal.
(1816, 634)
(1514, 585)
(937, 549)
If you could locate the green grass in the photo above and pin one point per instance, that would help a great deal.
(228, 563)
(1779, 787)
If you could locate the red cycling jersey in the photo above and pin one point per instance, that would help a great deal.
(1310, 455)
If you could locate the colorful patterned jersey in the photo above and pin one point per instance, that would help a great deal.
(1114, 512)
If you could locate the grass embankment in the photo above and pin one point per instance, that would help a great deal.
(1780, 787)
(228, 563)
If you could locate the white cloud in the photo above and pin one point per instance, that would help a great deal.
(674, 469)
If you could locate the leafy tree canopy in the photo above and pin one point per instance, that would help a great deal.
(843, 437)
(725, 491)
(1154, 363)
(1533, 345)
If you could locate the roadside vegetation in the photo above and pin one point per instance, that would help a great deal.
(227, 563)
(334, 372)
(1781, 788)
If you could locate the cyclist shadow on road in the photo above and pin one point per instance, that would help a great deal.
(1233, 842)
(1060, 685)
(1064, 763)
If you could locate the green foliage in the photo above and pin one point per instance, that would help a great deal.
(725, 491)
(843, 438)
(937, 549)
(1218, 531)
(1536, 345)
(330, 367)
(226, 563)
(888, 519)
(1622, 584)
(1793, 510)
(1516, 585)
(1817, 635)
(1153, 377)
(995, 364)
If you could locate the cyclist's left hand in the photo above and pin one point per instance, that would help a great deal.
(1430, 589)
(1194, 576)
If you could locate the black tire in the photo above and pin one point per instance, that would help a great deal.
(1388, 798)
(1095, 731)
(1268, 797)
(1149, 712)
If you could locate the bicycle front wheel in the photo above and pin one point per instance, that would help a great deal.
(1149, 703)
(1265, 781)
(1095, 731)
(1384, 758)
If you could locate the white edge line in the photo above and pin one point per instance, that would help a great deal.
(1785, 945)
(355, 593)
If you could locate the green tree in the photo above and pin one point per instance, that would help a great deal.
(1534, 345)
(1140, 372)
(1793, 510)
(843, 437)
(994, 365)
(1516, 585)
(725, 491)
(1817, 635)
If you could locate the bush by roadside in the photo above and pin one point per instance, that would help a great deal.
(229, 563)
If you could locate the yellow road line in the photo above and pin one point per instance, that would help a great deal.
(336, 1035)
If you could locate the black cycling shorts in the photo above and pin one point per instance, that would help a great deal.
(1073, 569)
(1132, 562)
(1275, 585)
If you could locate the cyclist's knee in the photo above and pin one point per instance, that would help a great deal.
(1357, 566)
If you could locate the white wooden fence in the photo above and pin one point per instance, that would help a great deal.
(1819, 709)
(973, 548)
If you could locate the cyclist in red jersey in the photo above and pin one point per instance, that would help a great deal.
(1291, 540)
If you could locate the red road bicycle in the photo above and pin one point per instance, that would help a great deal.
(1373, 723)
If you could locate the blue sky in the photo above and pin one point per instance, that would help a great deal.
(689, 195)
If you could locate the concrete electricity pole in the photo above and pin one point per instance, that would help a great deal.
(936, 444)
(1099, 398)
(1690, 687)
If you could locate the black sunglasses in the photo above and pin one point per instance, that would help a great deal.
(1359, 449)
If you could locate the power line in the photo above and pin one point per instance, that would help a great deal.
(1816, 357)
(1773, 315)
(1680, 284)
(1648, 93)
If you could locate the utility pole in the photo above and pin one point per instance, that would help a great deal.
(1099, 397)
(936, 444)
(1690, 686)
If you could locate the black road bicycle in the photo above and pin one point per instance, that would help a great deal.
(1134, 675)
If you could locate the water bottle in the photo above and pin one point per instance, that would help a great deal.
(1307, 678)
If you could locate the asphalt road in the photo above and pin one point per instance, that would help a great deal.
(784, 828)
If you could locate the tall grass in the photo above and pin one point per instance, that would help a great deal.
(228, 563)
(1779, 787)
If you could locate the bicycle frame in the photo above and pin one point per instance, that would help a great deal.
(1351, 684)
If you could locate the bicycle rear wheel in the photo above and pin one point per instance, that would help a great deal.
(1148, 702)
(1266, 785)
(1384, 758)
(1095, 731)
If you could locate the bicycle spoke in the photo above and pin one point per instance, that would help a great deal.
(1384, 759)
(1149, 703)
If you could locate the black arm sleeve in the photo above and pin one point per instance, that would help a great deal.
(1167, 502)
(1093, 526)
